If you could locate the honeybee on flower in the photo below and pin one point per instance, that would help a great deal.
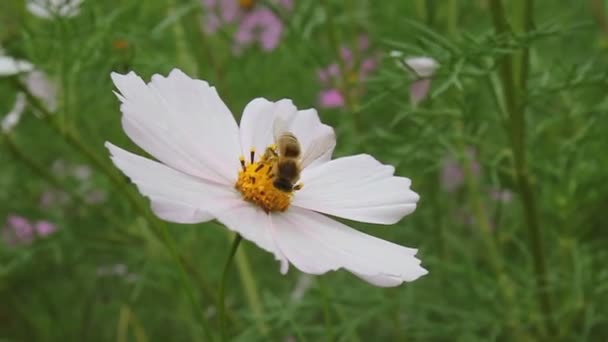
(211, 168)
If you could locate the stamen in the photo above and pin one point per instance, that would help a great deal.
(256, 182)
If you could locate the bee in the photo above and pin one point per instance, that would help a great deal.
(290, 158)
(288, 166)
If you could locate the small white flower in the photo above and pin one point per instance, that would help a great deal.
(202, 174)
(423, 69)
(422, 66)
(14, 116)
(49, 9)
(10, 66)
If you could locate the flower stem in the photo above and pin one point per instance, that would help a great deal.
(482, 222)
(453, 17)
(221, 309)
(251, 290)
(344, 87)
(516, 112)
(326, 310)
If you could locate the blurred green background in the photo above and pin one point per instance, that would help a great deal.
(507, 150)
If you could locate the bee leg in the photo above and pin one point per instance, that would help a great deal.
(298, 186)
(270, 152)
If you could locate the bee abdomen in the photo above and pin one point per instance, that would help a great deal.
(288, 169)
(291, 151)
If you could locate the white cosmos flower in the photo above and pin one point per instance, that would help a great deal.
(49, 9)
(204, 172)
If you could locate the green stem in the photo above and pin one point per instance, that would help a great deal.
(421, 10)
(482, 221)
(453, 17)
(516, 111)
(326, 310)
(251, 290)
(160, 230)
(345, 84)
(221, 309)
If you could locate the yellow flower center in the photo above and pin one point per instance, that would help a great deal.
(255, 182)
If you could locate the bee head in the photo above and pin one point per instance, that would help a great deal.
(283, 185)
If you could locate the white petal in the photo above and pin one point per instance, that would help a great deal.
(317, 244)
(317, 139)
(42, 87)
(38, 10)
(357, 188)
(11, 119)
(175, 196)
(423, 66)
(254, 225)
(10, 66)
(258, 120)
(183, 123)
(50, 8)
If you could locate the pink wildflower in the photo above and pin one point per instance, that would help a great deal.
(44, 228)
(357, 64)
(255, 23)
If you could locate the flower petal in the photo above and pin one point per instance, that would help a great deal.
(254, 225)
(175, 196)
(183, 123)
(8, 123)
(10, 66)
(258, 124)
(357, 188)
(422, 66)
(419, 90)
(317, 244)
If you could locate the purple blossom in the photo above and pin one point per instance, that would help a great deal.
(452, 172)
(253, 23)
(261, 26)
(358, 64)
(44, 228)
(331, 98)
(20, 231)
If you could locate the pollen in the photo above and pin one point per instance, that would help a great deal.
(255, 182)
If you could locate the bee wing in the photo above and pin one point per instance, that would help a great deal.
(279, 127)
(317, 148)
